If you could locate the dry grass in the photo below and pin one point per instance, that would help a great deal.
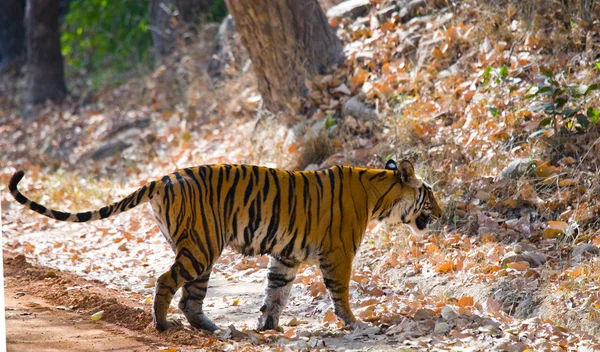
(314, 150)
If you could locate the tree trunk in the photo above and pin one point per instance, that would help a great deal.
(45, 73)
(288, 41)
(12, 33)
(169, 18)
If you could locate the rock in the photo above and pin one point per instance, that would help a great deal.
(517, 168)
(110, 148)
(350, 123)
(441, 328)
(316, 342)
(343, 89)
(350, 8)
(311, 167)
(448, 313)
(423, 314)
(534, 259)
(318, 126)
(585, 250)
(507, 345)
(356, 108)
(483, 196)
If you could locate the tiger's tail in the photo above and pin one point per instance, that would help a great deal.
(138, 197)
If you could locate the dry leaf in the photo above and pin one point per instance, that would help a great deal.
(518, 265)
(465, 301)
(329, 317)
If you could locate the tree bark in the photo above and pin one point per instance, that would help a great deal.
(171, 17)
(45, 72)
(12, 33)
(288, 41)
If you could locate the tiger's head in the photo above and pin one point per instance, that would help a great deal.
(416, 205)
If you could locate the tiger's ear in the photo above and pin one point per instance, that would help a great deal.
(407, 172)
(391, 165)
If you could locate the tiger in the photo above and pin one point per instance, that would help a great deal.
(296, 217)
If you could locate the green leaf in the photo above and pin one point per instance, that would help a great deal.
(545, 122)
(540, 107)
(493, 111)
(533, 91)
(556, 92)
(546, 71)
(486, 75)
(561, 101)
(583, 120)
(503, 72)
(330, 121)
(532, 136)
(593, 114)
(598, 65)
(590, 88)
(545, 89)
(570, 112)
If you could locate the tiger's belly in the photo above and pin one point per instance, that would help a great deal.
(280, 244)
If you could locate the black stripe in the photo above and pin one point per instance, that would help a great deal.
(183, 272)
(21, 198)
(105, 211)
(59, 215)
(38, 208)
(206, 235)
(379, 202)
(378, 175)
(151, 190)
(248, 192)
(83, 217)
(186, 253)
(141, 193)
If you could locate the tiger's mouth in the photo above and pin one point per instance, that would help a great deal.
(421, 221)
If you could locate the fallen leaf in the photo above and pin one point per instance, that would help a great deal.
(97, 315)
(465, 301)
(518, 265)
(329, 317)
(555, 229)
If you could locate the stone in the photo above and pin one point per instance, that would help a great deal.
(356, 108)
(350, 8)
(585, 250)
(534, 259)
(441, 328)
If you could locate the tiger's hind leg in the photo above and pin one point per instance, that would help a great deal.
(280, 279)
(186, 269)
(191, 303)
(166, 286)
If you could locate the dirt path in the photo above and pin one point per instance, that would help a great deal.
(49, 310)
(34, 324)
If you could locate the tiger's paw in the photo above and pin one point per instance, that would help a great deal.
(360, 328)
(202, 322)
(268, 323)
(359, 325)
(168, 324)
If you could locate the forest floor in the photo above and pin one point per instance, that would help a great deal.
(512, 266)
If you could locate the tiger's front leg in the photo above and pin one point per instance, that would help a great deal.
(280, 279)
(336, 275)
